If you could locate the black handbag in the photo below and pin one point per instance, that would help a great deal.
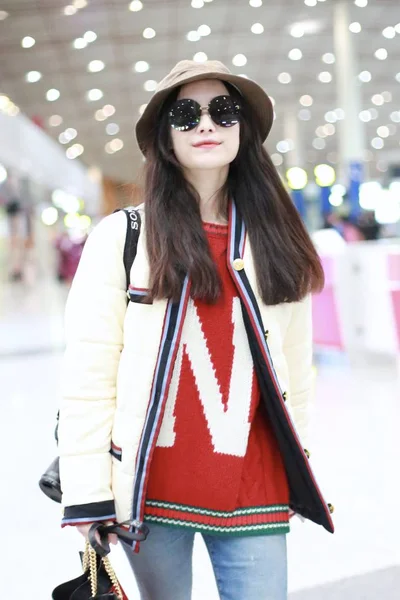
(98, 581)
(49, 482)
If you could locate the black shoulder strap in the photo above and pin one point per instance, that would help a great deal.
(131, 239)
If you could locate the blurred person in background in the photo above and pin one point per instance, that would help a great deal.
(17, 228)
(368, 225)
(188, 410)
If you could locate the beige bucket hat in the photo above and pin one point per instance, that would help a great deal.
(187, 71)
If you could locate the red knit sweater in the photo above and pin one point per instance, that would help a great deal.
(217, 466)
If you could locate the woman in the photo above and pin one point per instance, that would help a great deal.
(188, 410)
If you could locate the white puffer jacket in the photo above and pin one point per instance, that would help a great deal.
(118, 364)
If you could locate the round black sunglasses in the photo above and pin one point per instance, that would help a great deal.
(185, 114)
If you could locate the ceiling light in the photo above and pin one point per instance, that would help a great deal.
(55, 120)
(387, 96)
(328, 58)
(193, 36)
(28, 42)
(52, 95)
(320, 131)
(257, 28)
(74, 151)
(239, 60)
(319, 143)
(204, 30)
(329, 129)
(69, 10)
(141, 66)
(340, 114)
(33, 76)
(295, 54)
(62, 138)
(383, 131)
(255, 3)
(304, 114)
(90, 37)
(197, 3)
(381, 54)
(355, 27)
(114, 146)
(3, 15)
(377, 99)
(389, 32)
(277, 159)
(142, 108)
(361, 3)
(99, 115)
(79, 43)
(49, 215)
(306, 100)
(108, 110)
(377, 143)
(365, 116)
(330, 116)
(310, 2)
(284, 78)
(135, 6)
(297, 30)
(395, 116)
(200, 57)
(94, 95)
(150, 85)
(325, 77)
(71, 133)
(283, 146)
(95, 66)
(149, 33)
(365, 76)
(80, 3)
(112, 129)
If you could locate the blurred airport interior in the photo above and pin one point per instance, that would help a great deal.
(74, 78)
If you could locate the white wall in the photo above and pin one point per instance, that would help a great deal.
(28, 149)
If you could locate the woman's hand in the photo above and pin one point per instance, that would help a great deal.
(84, 530)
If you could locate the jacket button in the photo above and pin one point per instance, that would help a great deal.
(331, 508)
(306, 452)
(238, 264)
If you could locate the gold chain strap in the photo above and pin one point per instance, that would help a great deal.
(111, 573)
(90, 562)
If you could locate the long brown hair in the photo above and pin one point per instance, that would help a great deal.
(286, 262)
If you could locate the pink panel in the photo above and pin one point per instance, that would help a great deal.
(327, 263)
(394, 267)
(326, 330)
(394, 277)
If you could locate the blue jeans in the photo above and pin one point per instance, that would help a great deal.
(245, 568)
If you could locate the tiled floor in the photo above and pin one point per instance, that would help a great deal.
(355, 453)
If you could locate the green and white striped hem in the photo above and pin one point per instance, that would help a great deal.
(239, 512)
(259, 529)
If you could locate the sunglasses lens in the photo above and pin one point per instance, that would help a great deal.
(184, 115)
(224, 111)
